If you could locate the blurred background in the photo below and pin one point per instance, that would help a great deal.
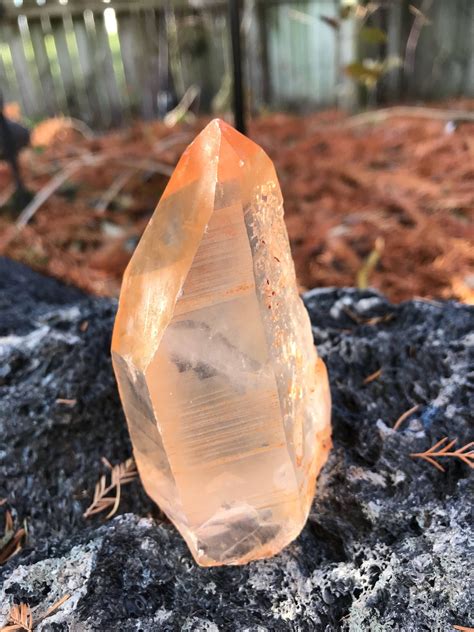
(366, 108)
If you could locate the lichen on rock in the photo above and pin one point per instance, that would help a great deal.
(386, 546)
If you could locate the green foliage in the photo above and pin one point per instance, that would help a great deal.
(372, 35)
(369, 71)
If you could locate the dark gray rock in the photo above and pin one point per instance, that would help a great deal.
(387, 543)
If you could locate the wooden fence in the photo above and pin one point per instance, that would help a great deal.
(105, 61)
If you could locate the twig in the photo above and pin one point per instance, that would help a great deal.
(404, 416)
(81, 127)
(379, 116)
(53, 185)
(442, 449)
(370, 263)
(172, 140)
(177, 114)
(412, 41)
(115, 188)
(373, 376)
(120, 474)
(148, 165)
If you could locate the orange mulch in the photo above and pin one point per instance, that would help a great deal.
(389, 204)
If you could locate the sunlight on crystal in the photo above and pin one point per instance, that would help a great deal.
(227, 402)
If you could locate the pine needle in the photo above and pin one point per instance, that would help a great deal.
(53, 608)
(462, 628)
(442, 449)
(370, 263)
(20, 616)
(11, 542)
(404, 416)
(120, 474)
(369, 321)
(373, 376)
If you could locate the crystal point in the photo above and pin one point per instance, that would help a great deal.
(227, 402)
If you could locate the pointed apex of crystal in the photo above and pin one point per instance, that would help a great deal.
(226, 400)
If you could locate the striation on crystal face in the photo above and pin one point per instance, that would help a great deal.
(227, 402)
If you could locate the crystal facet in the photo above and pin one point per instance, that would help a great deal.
(227, 402)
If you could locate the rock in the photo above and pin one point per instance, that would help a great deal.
(387, 543)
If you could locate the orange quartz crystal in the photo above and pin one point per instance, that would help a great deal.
(227, 402)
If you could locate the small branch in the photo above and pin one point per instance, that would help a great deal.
(370, 263)
(114, 189)
(412, 41)
(53, 185)
(380, 116)
(148, 165)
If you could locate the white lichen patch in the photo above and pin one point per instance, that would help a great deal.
(31, 341)
(62, 576)
(356, 473)
(291, 598)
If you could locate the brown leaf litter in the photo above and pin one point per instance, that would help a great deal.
(378, 200)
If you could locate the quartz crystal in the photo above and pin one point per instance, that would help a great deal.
(227, 402)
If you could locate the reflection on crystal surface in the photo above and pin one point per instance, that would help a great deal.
(227, 403)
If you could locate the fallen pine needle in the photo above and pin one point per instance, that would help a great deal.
(370, 263)
(20, 616)
(373, 376)
(84, 326)
(462, 628)
(369, 321)
(120, 474)
(53, 608)
(404, 416)
(12, 540)
(66, 402)
(442, 448)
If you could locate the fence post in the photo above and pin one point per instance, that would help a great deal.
(238, 96)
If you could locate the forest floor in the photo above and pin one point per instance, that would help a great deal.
(385, 199)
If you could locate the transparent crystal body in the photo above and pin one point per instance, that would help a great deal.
(227, 402)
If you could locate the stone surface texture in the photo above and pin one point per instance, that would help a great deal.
(387, 543)
(227, 402)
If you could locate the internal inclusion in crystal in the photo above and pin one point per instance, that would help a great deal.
(227, 403)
